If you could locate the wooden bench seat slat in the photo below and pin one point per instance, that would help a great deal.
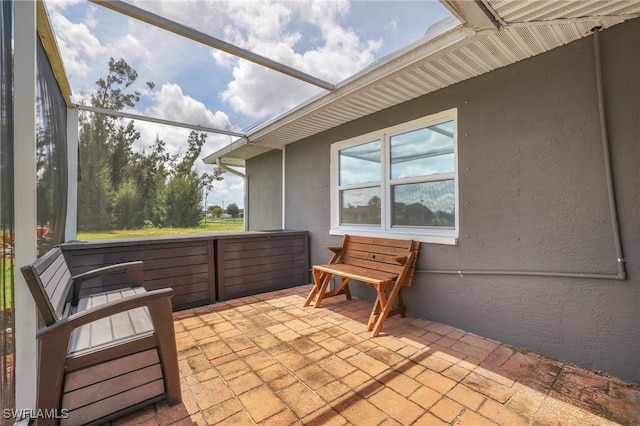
(392, 260)
(386, 264)
(358, 273)
(372, 264)
(369, 249)
(97, 373)
(121, 325)
(105, 408)
(380, 242)
(57, 280)
(114, 385)
(101, 332)
(132, 322)
(113, 328)
(105, 354)
(80, 339)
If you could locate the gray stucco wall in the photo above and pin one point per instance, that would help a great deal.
(265, 191)
(532, 198)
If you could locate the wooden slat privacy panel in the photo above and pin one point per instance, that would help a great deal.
(252, 265)
(201, 269)
(186, 266)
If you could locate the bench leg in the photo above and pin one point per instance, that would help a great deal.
(324, 283)
(312, 293)
(320, 282)
(387, 306)
(343, 287)
(400, 305)
(347, 292)
(51, 363)
(378, 305)
(393, 295)
(318, 279)
(162, 316)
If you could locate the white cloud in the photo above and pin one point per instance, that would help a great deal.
(78, 46)
(264, 28)
(327, 39)
(260, 92)
(171, 103)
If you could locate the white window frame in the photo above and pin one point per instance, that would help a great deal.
(385, 230)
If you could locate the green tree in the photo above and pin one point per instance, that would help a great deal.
(217, 211)
(105, 147)
(94, 185)
(233, 210)
(120, 147)
(94, 195)
(150, 173)
(207, 183)
(112, 91)
(127, 206)
(184, 189)
(183, 201)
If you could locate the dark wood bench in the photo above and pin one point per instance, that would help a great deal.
(105, 354)
(384, 263)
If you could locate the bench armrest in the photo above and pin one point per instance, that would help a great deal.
(133, 270)
(337, 253)
(401, 259)
(158, 302)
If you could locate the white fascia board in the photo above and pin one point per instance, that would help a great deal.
(212, 158)
(371, 75)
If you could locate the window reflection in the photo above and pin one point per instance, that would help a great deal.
(423, 152)
(424, 204)
(360, 206)
(360, 163)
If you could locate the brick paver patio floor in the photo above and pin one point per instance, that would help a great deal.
(267, 360)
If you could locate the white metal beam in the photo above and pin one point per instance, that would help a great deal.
(159, 120)
(195, 35)
(71, 225)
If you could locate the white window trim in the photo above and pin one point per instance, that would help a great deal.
(426, 235)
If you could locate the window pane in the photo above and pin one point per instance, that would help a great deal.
(424, 204)
(423, 152)
(360, 164)
(360, 206)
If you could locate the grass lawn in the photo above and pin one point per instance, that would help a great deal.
(6, 294)
(211, 227)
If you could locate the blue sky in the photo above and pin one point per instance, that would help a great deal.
(329, 39)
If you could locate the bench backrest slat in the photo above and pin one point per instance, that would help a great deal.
(379, 254)
(49, 281)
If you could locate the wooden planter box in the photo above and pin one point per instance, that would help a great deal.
(251, 264)
(201, 269)
(186, 265)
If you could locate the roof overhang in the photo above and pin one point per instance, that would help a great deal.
(237, 153)
(487, 35)
(51, 48)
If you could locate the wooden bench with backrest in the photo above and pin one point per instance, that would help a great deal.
(102, 355)
(384, 263)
